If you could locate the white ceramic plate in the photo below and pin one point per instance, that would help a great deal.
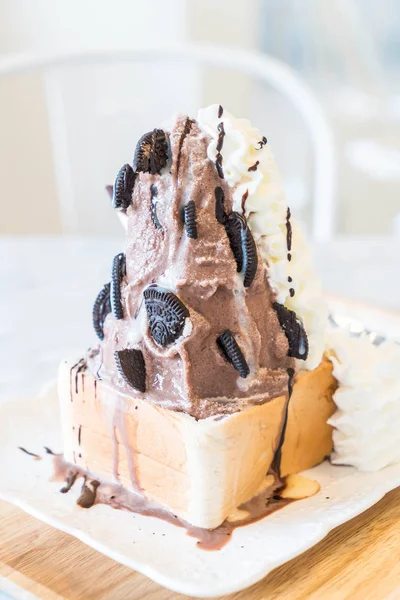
(159, 550)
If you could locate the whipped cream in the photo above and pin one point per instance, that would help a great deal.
(249, 168)
(366, 422)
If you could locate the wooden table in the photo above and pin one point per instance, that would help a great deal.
(359, 561)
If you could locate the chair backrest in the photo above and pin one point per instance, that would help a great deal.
(174, 70)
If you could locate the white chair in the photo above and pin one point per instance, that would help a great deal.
(255, 65)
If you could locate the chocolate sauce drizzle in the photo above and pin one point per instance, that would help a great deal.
(289, 245)
(262, 143)
(276, 464)
(82, 367)
(185, 133)
(35, 456)
(76, 376)
(288, 230)
(254, 167)
(220, 143)
(220, 111)
(79, 434)
(244, 200)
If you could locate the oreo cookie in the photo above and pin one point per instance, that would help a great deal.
(152, 152)
(130, 364)
(294, 331)
(166, 315)
(232, 352)
(219, 205)
(88, 493)
(118, 271)
(243, 246)
(101, 308)
(123, 187)
(153, 207)
(189, 215)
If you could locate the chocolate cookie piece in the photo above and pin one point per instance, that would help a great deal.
(250, 257)
(153, 207)
(88, 493)
(123, 187)
(190, 220)
(118, 271)
(101, 308)
(294, 331)
(166, 315)
(232, 352)
(219, 205)
(234, 223)
(152, 152)
(243, 246)
(131, 365)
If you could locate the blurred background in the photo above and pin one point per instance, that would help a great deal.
(65, 132)
(330, 108)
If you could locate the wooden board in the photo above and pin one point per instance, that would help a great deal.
(359, 561)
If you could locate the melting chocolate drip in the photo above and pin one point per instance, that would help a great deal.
(79, 434)
(81, 368)
(219, 205)
(70, 480)
(220, 143)
(153, 207)
(35, 456)
(289, 256)
(220, 111)
(88, 493)
(276, 463)
(289, 279)
(115, 496)
(291, 292)
(185, 133)
(288, 231)
(70, 377)
(49, 451)
(262, 142)
(254, 167)
(244, 200)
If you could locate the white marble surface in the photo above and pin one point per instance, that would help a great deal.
(48, 286)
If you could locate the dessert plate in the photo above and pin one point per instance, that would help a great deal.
(160, 550)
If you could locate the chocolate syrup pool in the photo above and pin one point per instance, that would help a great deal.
(95, 492)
